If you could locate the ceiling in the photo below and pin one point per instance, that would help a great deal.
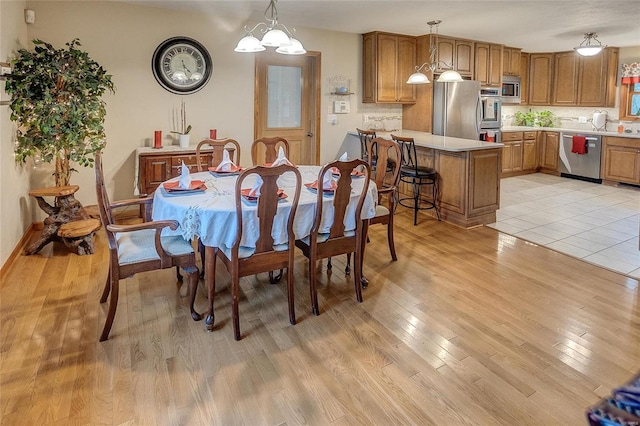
(533, 25)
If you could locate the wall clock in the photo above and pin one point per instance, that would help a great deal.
(182, 65)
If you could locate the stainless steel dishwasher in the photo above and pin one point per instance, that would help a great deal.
(580, 166)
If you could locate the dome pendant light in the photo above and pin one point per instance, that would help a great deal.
(449, 76)
(588, 49)
(275, 35)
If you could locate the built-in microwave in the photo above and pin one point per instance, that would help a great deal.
(510, 89)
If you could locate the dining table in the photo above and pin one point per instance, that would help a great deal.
(209, 213)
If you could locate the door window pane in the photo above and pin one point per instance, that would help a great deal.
(284, 100)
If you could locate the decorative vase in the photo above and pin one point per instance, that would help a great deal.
(184, 141)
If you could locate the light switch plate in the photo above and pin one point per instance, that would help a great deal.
(332, 119)
(341, 107)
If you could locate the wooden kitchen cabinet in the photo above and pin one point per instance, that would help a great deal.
(456, 53)
(550, 151)
(565, 78)
(388, 60)
(511, 153)
(511, 61)
(530, 152)
(540, 78)
(524, 78)
(157, 167)
(488, 64)
(621, 159)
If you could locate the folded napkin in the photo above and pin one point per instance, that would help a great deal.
(344, 157)
(185, 177)
(255, 190)
(282, 159)
(329, 182)
(226, 165)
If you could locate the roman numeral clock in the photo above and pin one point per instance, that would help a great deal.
(182, 65)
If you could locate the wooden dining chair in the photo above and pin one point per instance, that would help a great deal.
(218, 146)
(139, 248)
(389, 153)
(325, 243)
(270, 147)
(268, 255)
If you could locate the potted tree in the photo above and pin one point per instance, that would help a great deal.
(56, 100)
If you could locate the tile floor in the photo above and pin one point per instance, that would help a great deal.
(596, 223)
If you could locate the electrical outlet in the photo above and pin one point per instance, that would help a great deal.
(332, 119)
(582, 119)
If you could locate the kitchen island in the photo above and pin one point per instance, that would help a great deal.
(468, 176)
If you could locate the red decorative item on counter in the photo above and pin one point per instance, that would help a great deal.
(157, 139)
(213, 134)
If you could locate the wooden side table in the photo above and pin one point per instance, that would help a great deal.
(64, 210)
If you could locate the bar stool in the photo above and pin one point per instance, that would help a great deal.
(417, 176)
(366, 136)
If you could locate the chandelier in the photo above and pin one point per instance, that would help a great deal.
(275, 35)
(447, 76)
(586, 48)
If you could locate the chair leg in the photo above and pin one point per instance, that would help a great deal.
(194, 277)
(275, 279)
(201, 250)
(107, 288)
(290, 295)
(329, 265)
(178, 275)
(435, 197)
(392, 246)
(347, 269)
(210, 279)
(312, 287)
(358, 275)
(416, 201)
(235, 285)
(113, 304)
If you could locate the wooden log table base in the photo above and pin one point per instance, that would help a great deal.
(66, 209)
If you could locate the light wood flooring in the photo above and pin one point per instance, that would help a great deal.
(467, 327)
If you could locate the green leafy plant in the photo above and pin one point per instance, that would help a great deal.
(545, 118)
(56, 100)
(542, 119)
(181, 121)
(524, 118)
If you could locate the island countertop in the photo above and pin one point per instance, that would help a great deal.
(444, 143)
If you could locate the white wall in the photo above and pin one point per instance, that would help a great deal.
(122, 38)
(15, 206)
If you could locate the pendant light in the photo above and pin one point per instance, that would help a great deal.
(586, 48)
(449, 76)
(275, 35)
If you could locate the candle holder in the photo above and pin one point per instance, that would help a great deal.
(157, 139)
(213, 134)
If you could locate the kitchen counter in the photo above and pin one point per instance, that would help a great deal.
(444, 143)
(468, 175)
(565, 129)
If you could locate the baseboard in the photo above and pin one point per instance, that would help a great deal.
(19, 249)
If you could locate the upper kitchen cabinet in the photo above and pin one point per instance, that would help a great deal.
(524, 78)
(388, 60)
(511, 61)
(540, 78)
(456, 53)
(488, 64)
(565, 78)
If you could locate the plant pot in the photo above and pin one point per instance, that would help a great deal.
(184, 141)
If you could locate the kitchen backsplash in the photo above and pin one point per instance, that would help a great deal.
(570, 118)
(381, 117)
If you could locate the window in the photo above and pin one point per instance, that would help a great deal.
(630, 92)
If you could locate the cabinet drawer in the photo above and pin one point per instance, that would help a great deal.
(530, 135)
(189, 160)
(511, 136)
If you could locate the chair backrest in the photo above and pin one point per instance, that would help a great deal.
(270, 145)
(341, 197)
(218, 146)
(408, 149)
(366, 136)
(267, 205)
(106, 215)
(389, 153)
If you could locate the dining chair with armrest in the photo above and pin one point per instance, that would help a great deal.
(218, 146)
(321, 244)
(270, 146)
(268, 255)
(388, 152)
(139, 248)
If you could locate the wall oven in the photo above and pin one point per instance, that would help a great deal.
(510, 89)
(490, 108)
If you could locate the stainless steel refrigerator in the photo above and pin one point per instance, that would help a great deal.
(456, 109)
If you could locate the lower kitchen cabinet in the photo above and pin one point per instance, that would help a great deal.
(530, 152)
(511, 153)
(621, 159)
(550, 151)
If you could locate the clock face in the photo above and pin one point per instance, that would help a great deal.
(182, 65)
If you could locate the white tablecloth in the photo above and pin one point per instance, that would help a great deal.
(211, 215)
